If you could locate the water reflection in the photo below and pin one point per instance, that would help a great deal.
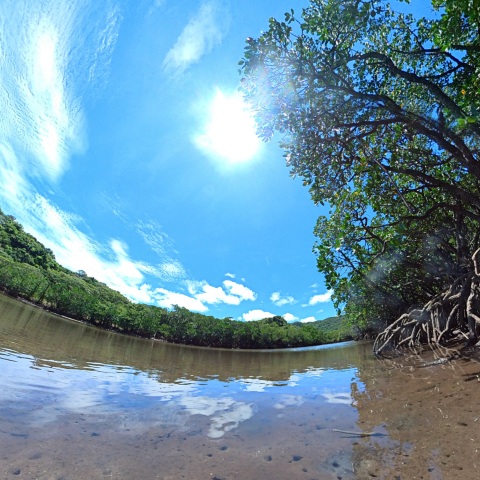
(55, 366)
(177, 412)
(60, 342)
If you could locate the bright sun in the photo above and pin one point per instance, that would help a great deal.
(229, 133)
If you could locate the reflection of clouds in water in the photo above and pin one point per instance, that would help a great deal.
(338, 397)
(293, 380)
(140, 400)
(226, 413)
(105, 390)
(98, 397)
(314, 372)
(289, 401)
(259, 384)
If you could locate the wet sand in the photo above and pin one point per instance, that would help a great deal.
(432, 415)
(293, 444)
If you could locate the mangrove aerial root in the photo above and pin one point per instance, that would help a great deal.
(447, 315)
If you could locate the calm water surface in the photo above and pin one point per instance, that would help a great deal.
(78, 402)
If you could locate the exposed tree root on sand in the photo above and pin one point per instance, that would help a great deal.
(454, 313)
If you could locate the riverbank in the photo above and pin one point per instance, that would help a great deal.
(179, 326)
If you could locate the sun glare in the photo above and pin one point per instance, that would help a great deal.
(229, 133)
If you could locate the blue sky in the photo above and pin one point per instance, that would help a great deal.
(126, 150)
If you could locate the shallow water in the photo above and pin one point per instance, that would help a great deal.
(77, 402)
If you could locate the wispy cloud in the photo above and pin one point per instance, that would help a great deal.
(279, 301)
(322, 298)
(170, 268)
(42, 118)
(204, 31)
(157, 4)
(253, 315)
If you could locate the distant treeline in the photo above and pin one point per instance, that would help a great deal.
(30, 271)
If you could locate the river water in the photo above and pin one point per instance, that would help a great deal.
(77, 402)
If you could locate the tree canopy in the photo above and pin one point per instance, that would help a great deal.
(378, 112)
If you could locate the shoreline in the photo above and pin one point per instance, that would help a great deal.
(160, 340)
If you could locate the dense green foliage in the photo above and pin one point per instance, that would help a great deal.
(20, 246)
(336, 329)
(379, 114)
(29, 270)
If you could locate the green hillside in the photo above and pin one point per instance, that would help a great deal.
(335, 329)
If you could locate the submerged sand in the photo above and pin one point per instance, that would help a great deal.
(427, 419)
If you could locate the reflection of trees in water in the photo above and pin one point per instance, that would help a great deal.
(65, 344)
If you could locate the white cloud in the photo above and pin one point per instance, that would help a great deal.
(253, 315)
(230, 275)
(289, 317)
(167, 299)
(214, 295)
(13, 187)
(203, 32)
(232, 293)
(239, 290)
(322, 298)
(279, 301)
(201, 294)
(308, 320)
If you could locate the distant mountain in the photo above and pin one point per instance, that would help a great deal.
(335, 329)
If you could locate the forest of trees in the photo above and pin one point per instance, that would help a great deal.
(379, 113)
(29, 270)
